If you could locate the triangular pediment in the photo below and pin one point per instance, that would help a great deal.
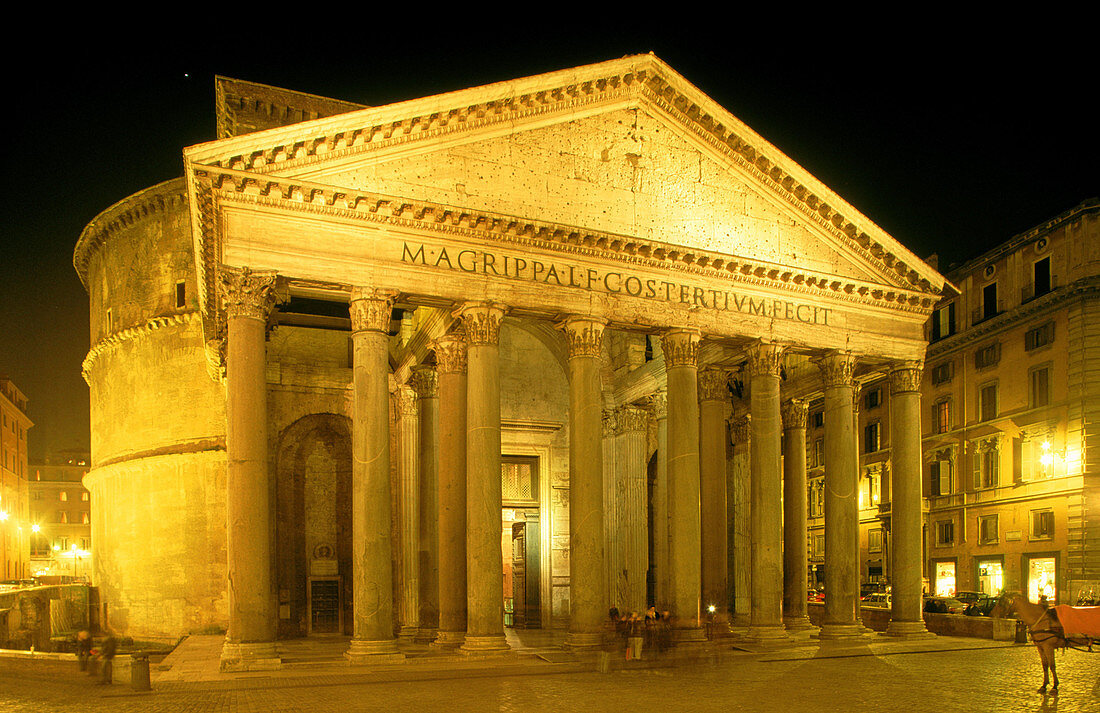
(624, 148)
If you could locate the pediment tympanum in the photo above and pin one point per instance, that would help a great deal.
(620, 182)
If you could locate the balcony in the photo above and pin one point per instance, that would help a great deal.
(1028, 292)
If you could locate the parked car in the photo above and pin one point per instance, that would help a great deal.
(943, 605)
(984, 602)
(877, 599)
(816, 595)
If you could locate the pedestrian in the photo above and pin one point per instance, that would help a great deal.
(83, 648)
(107, 657)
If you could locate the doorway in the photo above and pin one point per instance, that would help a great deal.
(324, 605)
(520, 540)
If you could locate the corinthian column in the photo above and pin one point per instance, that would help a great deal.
(713, 396)
(372, 545)
(426, 384)
(450, 355)
(841, 500)
(588, 595)
(740, 526)
(484, 560)
(766, 493)
(795, 557)
(681, 348)
(250, 638)
(659, 403)
(906, 618)
(631, 494)
(408, 466)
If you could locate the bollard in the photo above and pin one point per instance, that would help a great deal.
(139, 671)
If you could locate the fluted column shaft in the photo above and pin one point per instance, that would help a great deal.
(450, 353)
(426, 384)
(372, 545)
(484, 560)
(795, 556)
(766, 493)
(713, 396)
(681, 348)
(740, 483)
(906, 618)
(408, 473)
(841, 500)
(588, 577)
(248, 299)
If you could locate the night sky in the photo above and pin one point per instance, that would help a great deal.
(951, 144)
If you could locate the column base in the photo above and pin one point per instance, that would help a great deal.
(485, 645)
(766, 633)
(448, 640)
(741, 621)
(839, 632)
(695, 636)
(797, 623)
(908, 630)
(407, 634)
(362, 651)
(426, 635)
(259, 656)
(581, 641)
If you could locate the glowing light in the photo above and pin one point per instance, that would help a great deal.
(3, 515)
(1047, 459)
(35, 528)
(712, 608)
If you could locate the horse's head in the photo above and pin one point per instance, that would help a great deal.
(1005, 606)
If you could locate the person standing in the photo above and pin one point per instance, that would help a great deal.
(83, 648)
(107, 654)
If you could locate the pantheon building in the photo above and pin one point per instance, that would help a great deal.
(507, 356)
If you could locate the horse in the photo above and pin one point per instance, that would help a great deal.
(1043, 626)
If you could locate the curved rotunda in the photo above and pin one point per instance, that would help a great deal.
(507, 356)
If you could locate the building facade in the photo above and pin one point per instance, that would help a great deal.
(510, 355)
(60, 516)
(14, 510)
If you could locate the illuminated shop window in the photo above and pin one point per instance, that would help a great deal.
(945, 579)
(1041, 579)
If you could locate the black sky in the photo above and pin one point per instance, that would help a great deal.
(952, 143)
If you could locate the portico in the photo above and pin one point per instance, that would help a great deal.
(714, 278)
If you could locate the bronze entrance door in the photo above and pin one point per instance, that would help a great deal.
(324, 605)
(525, 572)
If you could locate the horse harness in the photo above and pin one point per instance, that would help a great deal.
(1067, 642)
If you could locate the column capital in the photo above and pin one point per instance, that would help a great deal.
(405, 401)
(713, 384)
(838, 368)
(905, 376)
(450, 353)
(765, 359)
(425, 381)
(794, 413)
(631, 419)
(658, 403)
(246, 293)
(584, 336)
(740, 429)
(482, 322)
(371, 309)
(681, 347)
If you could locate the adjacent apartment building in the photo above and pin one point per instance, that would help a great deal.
(14, 521)
(60, 510)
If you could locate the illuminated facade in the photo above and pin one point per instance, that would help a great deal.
(14, 521)
(60, 516)
(380, 362)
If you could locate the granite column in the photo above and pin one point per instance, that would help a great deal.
(795, 556)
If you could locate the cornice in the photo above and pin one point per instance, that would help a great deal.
(112, 341)
(153, 201)
(219, 186)
(630, 79)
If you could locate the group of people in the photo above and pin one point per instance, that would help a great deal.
(89, 657)
(635, 631)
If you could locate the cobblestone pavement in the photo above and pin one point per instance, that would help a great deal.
(997, 679)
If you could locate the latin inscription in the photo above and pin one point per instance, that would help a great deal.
(518, 268)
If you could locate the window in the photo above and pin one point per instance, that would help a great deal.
(987, 402)
(873, 398)
(36, 495)
(817, 454)
(987, 356)
(84, 496)
(1041, 275)
(63, 496)
(86, 518)
(817, 497)
(819, 546)
(1039, 336)
(943, 373)
(945, 533)
(941, 416)
(181, 294)
(869, 489)
(1042, 524)
(63, 543)
(943, 322)
(941, 477)
(62, 516)
(987, 530)
(818, 419)
(1039, 386)
(871, 437)
(989, 300)
(874, 540)
(987, 464)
